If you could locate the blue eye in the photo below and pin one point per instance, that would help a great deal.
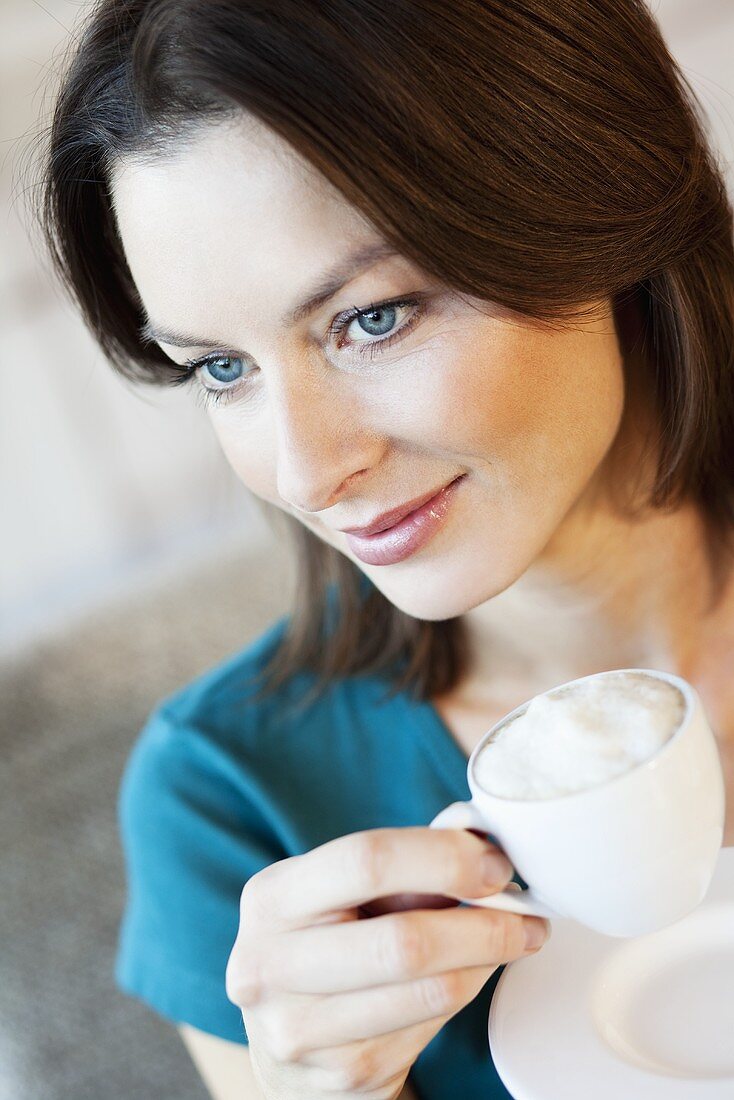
(376, 320)
(224, 368)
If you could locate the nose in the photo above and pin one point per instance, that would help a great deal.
(323, 443)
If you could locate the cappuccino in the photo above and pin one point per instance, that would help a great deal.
(580, 736)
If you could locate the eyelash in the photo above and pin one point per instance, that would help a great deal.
(186, 372)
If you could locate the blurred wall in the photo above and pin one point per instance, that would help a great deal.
(103, 486)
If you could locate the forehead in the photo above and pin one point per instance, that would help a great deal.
(241, 161)
(234, 195)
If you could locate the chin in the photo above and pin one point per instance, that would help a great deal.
(443, 597)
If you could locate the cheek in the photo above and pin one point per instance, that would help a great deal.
(530, 405)
(248, 449)
(486, 398)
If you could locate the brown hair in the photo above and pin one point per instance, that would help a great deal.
(529, 153)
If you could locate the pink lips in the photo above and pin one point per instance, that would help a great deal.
(389, 519)
(394, 544)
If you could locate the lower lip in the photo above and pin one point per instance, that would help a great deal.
(405, 538)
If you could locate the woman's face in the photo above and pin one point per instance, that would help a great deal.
(227, 236)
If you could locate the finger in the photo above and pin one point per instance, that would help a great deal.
(369, 1063)
(312, 1023)
(395, 947)
(353, 869)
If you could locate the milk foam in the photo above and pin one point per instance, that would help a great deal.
(580, 736)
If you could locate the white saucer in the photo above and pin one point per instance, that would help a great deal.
(648, 1018)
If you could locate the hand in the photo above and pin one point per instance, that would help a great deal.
(335, 1004)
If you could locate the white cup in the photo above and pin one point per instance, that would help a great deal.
(626, 857)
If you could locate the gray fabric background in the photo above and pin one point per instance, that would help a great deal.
(71, 709)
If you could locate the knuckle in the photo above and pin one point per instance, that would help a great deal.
(249, 896)
(242, 979)
(506, 938)
(367, 858)
(456, 863)
(515, 944)
(357, 1070)
(259, 896)
(255, 894)
(405, 949)
(284, 1036)
(242, 975)
(441, 993)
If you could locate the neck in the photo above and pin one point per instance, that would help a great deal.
(606, 593)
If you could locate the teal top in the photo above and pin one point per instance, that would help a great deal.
(219, 785)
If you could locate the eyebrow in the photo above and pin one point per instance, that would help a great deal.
(328, 285)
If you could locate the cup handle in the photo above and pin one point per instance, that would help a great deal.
(464, 815)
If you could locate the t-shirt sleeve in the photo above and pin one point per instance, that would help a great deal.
(193, 830)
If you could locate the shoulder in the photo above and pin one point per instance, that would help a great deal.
(222, 703)
(286, 768)
(221, 782)
(226, 711)
(218, 743)
(196, 820)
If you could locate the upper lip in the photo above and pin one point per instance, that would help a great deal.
(388, 519)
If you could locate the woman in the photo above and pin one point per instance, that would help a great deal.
(474, 256)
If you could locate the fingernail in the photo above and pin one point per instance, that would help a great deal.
(537, 932)
(496, 869)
